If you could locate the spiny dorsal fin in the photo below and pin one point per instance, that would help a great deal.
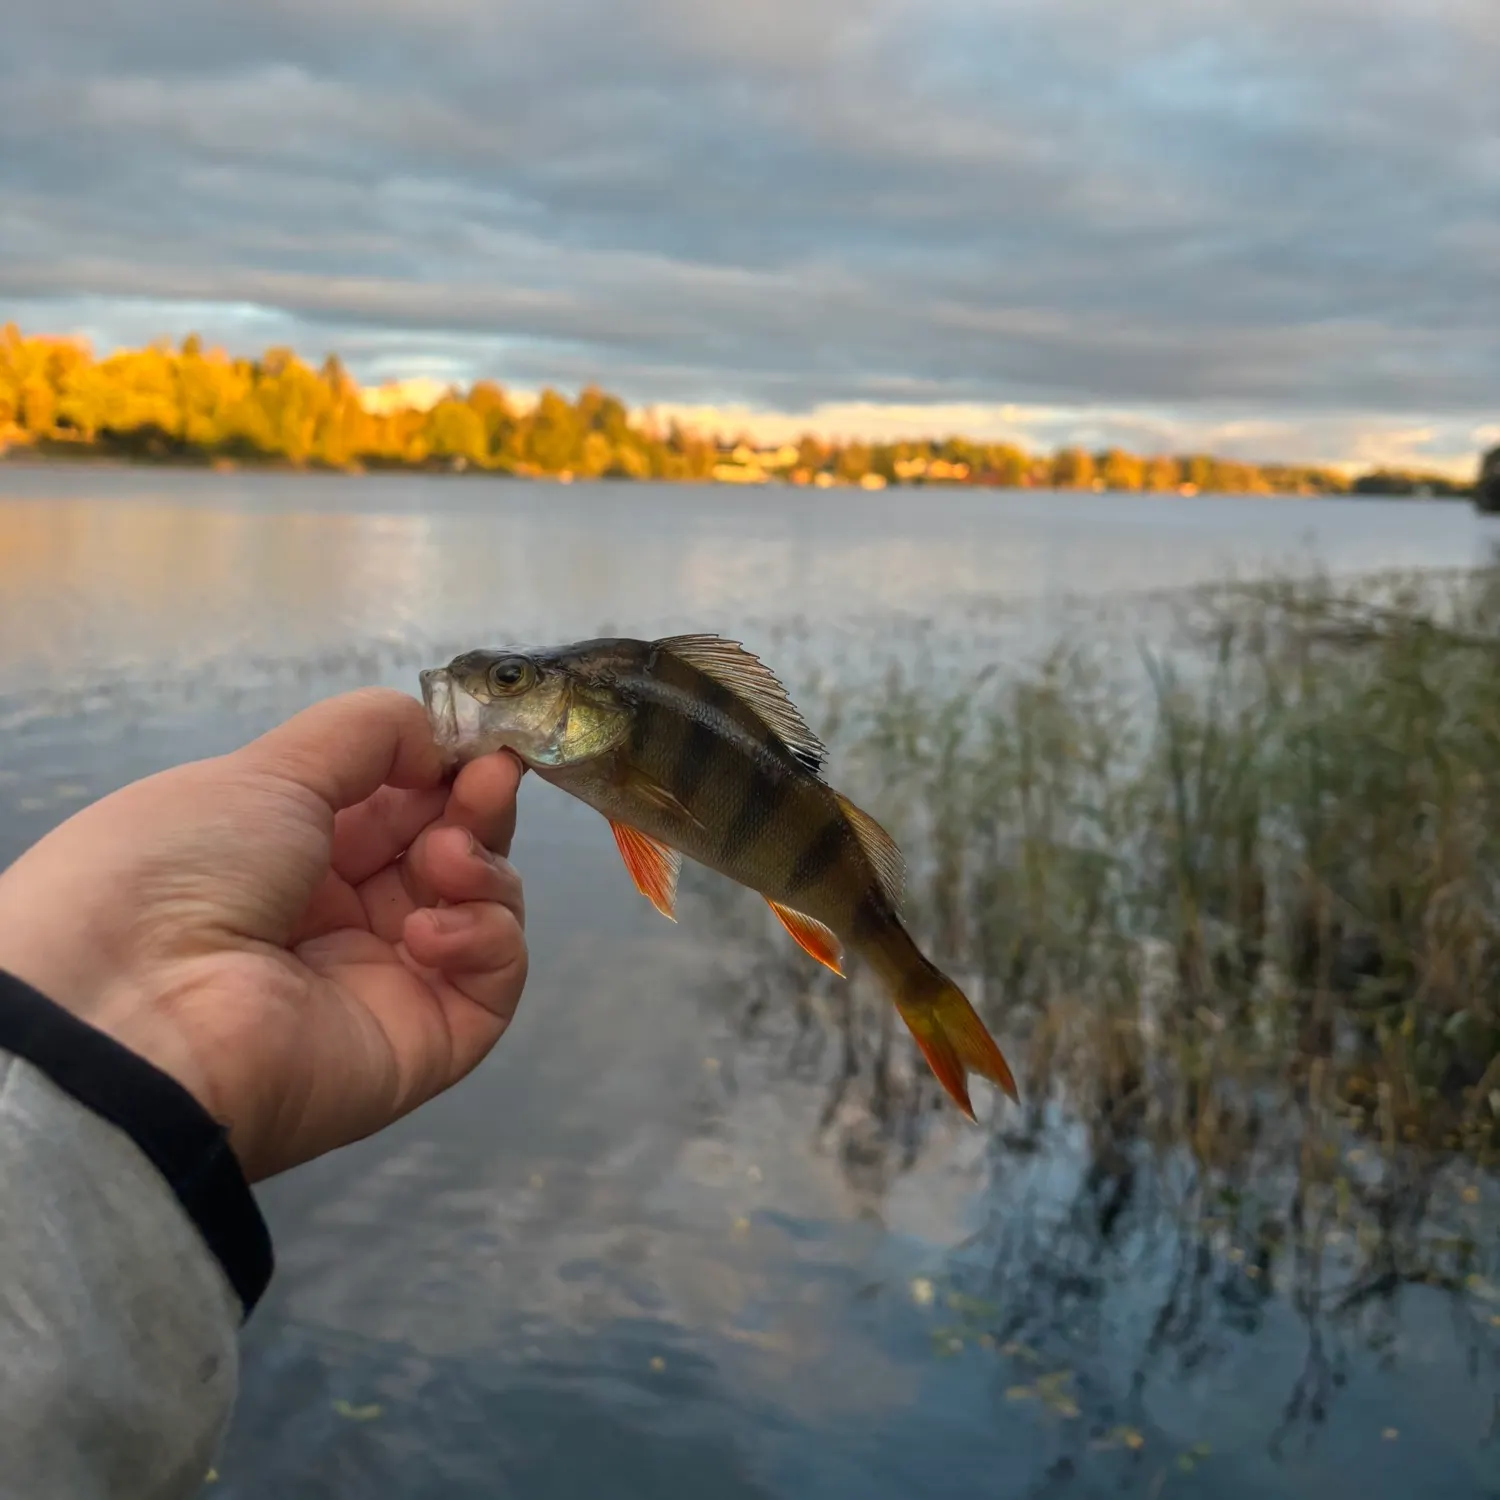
(754, 684)
(880, 849)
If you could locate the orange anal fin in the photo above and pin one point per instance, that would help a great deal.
(812, 936)
(955, 1043)
(652, 865)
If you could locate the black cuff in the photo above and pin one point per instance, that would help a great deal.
(182, 1140)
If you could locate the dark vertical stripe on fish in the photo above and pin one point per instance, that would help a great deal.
(692, 683)
(760, 800)
(820, 854)
(693, 759)
(648, 727)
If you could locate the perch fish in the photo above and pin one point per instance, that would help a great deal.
(690, 746)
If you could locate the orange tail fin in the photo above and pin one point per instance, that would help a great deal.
(952, 1037)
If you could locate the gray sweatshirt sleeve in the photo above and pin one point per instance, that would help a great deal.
(130, 1252)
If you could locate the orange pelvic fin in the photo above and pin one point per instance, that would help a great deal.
(812, 936)
(955, 1043)
(652, 865)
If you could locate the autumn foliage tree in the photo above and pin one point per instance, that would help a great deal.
(189, 403)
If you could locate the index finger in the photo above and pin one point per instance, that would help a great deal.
(345, 747)
(483, 799)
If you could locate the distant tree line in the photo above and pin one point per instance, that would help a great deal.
(190, 404)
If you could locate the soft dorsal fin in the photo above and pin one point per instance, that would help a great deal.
(880, 849)
(754, 684)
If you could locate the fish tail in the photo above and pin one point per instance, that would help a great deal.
(948, 1030)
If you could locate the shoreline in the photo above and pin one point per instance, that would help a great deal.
(24, 456)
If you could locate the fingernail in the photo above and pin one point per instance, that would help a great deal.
(452, 918)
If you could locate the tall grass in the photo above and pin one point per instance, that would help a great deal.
(1282, 838)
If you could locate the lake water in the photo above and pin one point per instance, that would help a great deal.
(629, 1256)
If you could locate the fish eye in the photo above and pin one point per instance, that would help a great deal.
(508, 674)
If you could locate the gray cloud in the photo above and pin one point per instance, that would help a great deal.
(1287, 210)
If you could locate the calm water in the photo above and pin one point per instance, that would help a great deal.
(635, 1254)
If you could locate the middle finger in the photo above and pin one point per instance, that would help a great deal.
(445, 865)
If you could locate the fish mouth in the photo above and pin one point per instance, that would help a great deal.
(442, 708)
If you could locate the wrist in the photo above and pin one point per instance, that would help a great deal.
(133, 1012)
(165, 1121)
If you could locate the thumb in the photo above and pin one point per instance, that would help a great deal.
(344, 748)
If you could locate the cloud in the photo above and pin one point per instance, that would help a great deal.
(1173, 217)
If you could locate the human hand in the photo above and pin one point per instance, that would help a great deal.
(307, 933)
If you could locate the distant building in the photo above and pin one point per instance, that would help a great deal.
(739, 473)
(784, 457)
(942, 468)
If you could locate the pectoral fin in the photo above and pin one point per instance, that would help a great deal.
(639, 784)
(812, 936)
(652, 865)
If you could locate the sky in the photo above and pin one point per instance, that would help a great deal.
(1265, 228)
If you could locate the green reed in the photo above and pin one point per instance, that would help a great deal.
(1277, 844)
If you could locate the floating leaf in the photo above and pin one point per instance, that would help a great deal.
(1023, 1352)
(974, 1306)
(658, 1363)
(1121, 1437)
(357, 1413)
(921, 1291)
(1390, 1434)
(1189, 1460)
